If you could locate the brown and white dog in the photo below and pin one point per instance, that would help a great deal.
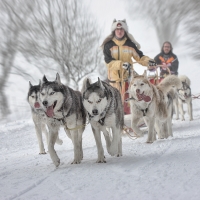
(153, 103)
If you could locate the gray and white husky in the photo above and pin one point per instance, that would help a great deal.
(185, 96)
(38, 116)
(63, 107)
(154, 103)
(105, 111)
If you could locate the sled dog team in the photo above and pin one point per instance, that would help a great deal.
(54, 105)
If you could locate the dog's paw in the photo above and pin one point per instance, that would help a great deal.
(149, 141)
(101, 160)
(113, 150)
(119, 154)
(42, 153)
(56, 162)
(76, 161)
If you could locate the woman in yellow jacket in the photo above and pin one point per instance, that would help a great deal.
(118, 49)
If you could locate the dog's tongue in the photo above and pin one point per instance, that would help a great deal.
(143, 97)
(146, 98)
(37, 105)
(50, 111)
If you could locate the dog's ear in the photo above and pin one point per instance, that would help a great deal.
(133, 74)
(88, 83)
(145, 74)
(114, 20)
(40, 82)
(100, 83)
(44, 79)
(30, 85)
(58, 79)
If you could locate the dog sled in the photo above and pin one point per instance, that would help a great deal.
(154, 75)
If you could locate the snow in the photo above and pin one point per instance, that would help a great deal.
(165, 169)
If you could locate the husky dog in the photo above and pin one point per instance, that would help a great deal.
(63, 106)
(154, 103)
(38, 116)
(104, 110)
(184, 96)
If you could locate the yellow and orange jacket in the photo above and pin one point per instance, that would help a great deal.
(116, 52)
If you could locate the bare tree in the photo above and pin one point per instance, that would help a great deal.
(11, 16)
(60, 34)
(165, 16)
(192, 29)
(65, 33)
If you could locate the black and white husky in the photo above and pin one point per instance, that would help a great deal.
(185, 96)
(38, 116)
(104, 110)
(63, 107)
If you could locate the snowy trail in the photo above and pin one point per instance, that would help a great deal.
(166, 169)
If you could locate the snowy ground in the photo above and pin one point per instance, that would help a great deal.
(166, 169)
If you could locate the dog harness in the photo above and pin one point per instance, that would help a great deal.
(146, 99)
(144, 111)
(62, 120)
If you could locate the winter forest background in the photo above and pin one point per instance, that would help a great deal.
(44, 37)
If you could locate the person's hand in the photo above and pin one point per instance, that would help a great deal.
(164, 66)
(169, 64)
(126, 66)
(151, 67)
(152, 63)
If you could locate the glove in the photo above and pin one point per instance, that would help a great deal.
(152, 63)
(126, 66)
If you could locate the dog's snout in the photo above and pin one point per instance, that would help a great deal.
(138, 90)
(45, 103)
(95, 112)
